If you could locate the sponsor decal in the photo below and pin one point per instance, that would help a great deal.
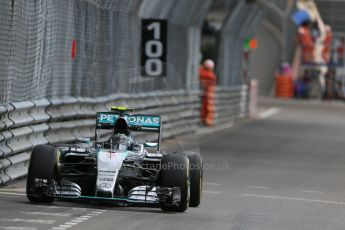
(107, 171)
(107, 118)
(105, 179)
(144, 121)
(139, 120)
(104, 185)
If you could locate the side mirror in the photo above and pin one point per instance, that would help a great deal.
(83, 140)
(150, 145)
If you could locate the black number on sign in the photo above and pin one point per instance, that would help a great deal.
(153, 47)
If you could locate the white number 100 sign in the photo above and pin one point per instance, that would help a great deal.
(154, 50)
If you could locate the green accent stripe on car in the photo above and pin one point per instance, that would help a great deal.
(107, 198)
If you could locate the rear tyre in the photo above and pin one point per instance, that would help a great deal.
(42, 166)
(196, 178)
(175, 173)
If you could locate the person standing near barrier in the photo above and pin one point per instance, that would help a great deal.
(208, 86)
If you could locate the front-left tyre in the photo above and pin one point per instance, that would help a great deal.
(196, 178)
(41, 174)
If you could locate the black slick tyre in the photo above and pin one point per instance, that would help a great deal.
(42, 166)
(196, 178)
(175, 173)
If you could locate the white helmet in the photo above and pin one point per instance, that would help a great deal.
(209, 64)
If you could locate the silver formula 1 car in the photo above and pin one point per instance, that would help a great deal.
(117, 169)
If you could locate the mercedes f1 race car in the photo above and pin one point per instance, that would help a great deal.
(117, 169)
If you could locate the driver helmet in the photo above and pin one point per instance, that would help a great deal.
(121, 126)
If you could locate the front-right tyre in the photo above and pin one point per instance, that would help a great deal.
(41, 173)
(175, 173)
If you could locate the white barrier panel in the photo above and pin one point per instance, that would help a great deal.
(8, 123)
(20, 140)
(4, 178)
(19, 166)
(4, 163)
(53, 134)
(70, 108)
(101, 104)
(54, 110)
(38, 112)
(61, 132)
(86, 106)
(37, 137)
(20, 114)
(3, 111)
(4, 148)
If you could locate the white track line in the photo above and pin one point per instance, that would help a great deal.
(78, 220)
(294, 199)
(64, 226)
(311, 191)
(12, 193)
(59, 214)
(16, 228)
(13, 189)
(81, 218)
(30, 221)
(71, 223)
(78, 208)
(213, 184)
(257, 187)
(268, 113)
(211, 192)
(50, 207)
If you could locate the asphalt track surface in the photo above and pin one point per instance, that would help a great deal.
(282, 171)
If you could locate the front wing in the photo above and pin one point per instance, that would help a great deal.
(138, 196)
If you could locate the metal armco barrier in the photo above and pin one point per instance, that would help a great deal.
(26, 124)
(231, 102)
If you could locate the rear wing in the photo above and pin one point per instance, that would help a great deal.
(136, 122)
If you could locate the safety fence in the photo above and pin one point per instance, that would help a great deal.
(26, 124)
(90, 48)
(241, 23)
